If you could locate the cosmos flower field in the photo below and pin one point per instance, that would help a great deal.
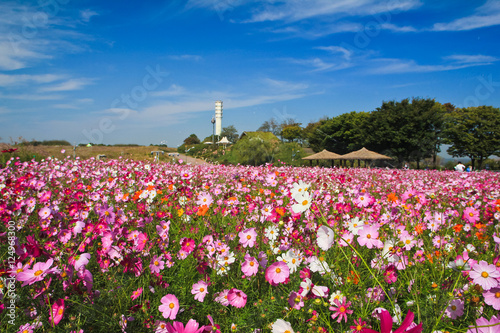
(130, 246)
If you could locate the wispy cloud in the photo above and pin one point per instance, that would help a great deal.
(87, 14)
(337, 49)
(485, 16)
(401, 66)
(73, 84)
(14, 80)
(23, 44)
(297, 10)
(191, 57)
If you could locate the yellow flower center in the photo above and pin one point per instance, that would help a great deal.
(485, 274)
(156, 263)
(171, 305)
(202, 290)
(304, 203)
(368, 236)
(38, 272)
(249, 237)
(278, 270)
(252, 263)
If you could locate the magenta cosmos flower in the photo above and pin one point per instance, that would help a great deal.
(57, 312)
(200, 290)
(237, 298)
(386, 324)
(485, 275)
(169, 306)
(248, 237)
(191, 327)
(277, 273)
(341, 310)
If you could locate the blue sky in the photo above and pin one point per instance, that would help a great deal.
(150, 71)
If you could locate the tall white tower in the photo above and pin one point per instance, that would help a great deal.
(218, 118)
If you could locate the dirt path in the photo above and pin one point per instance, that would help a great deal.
(190, 160)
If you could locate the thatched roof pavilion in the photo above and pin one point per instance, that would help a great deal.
(323, 155)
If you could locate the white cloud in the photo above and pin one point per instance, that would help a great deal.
(485, 16)
(297, 10)
(10, 80)
(30, 34)
(87, 14)
(73, 84)
(191, 57)
(396, 66)
(337, 49)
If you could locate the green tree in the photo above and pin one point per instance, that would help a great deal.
(254, 151)
(270, 125)
(473, 132)
(230, 132)
(191, 140)
(291, 132)
(341, 134)
(408, 131)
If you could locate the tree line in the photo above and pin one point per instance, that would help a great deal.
(409, 131)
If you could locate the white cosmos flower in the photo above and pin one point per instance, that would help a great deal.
(281, 326)
(303, 203)
(325, 238)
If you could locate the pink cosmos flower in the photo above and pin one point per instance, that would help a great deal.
(363, 200)
(277, 273)
(485, 275)
(341, 310)
(136, 294)
(26, 328)
(191, 327)
(221, 297)
(44, 213)
(455, 309)
(204, 198)
(237, 298)
(295, 300)
(157, 264)
(200, 290)
(492, 297)
(187, 245)
(248, 237)
(386, 324)
(368, 236)
(57, 312)
(251, 266)
(471, 215)
(81, 260)
(40, 269)
(484, 325)
(169, 306)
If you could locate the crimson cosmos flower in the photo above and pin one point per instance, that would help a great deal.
(386, 324)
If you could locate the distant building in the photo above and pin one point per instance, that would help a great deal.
(218, 118)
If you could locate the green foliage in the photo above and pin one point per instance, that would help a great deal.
(191, 140)
(473, 132)
(341, 134)
(408, 131)
(291, 132)
(253, 150)
(231, 133)
(45, 143)
(290, 153)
